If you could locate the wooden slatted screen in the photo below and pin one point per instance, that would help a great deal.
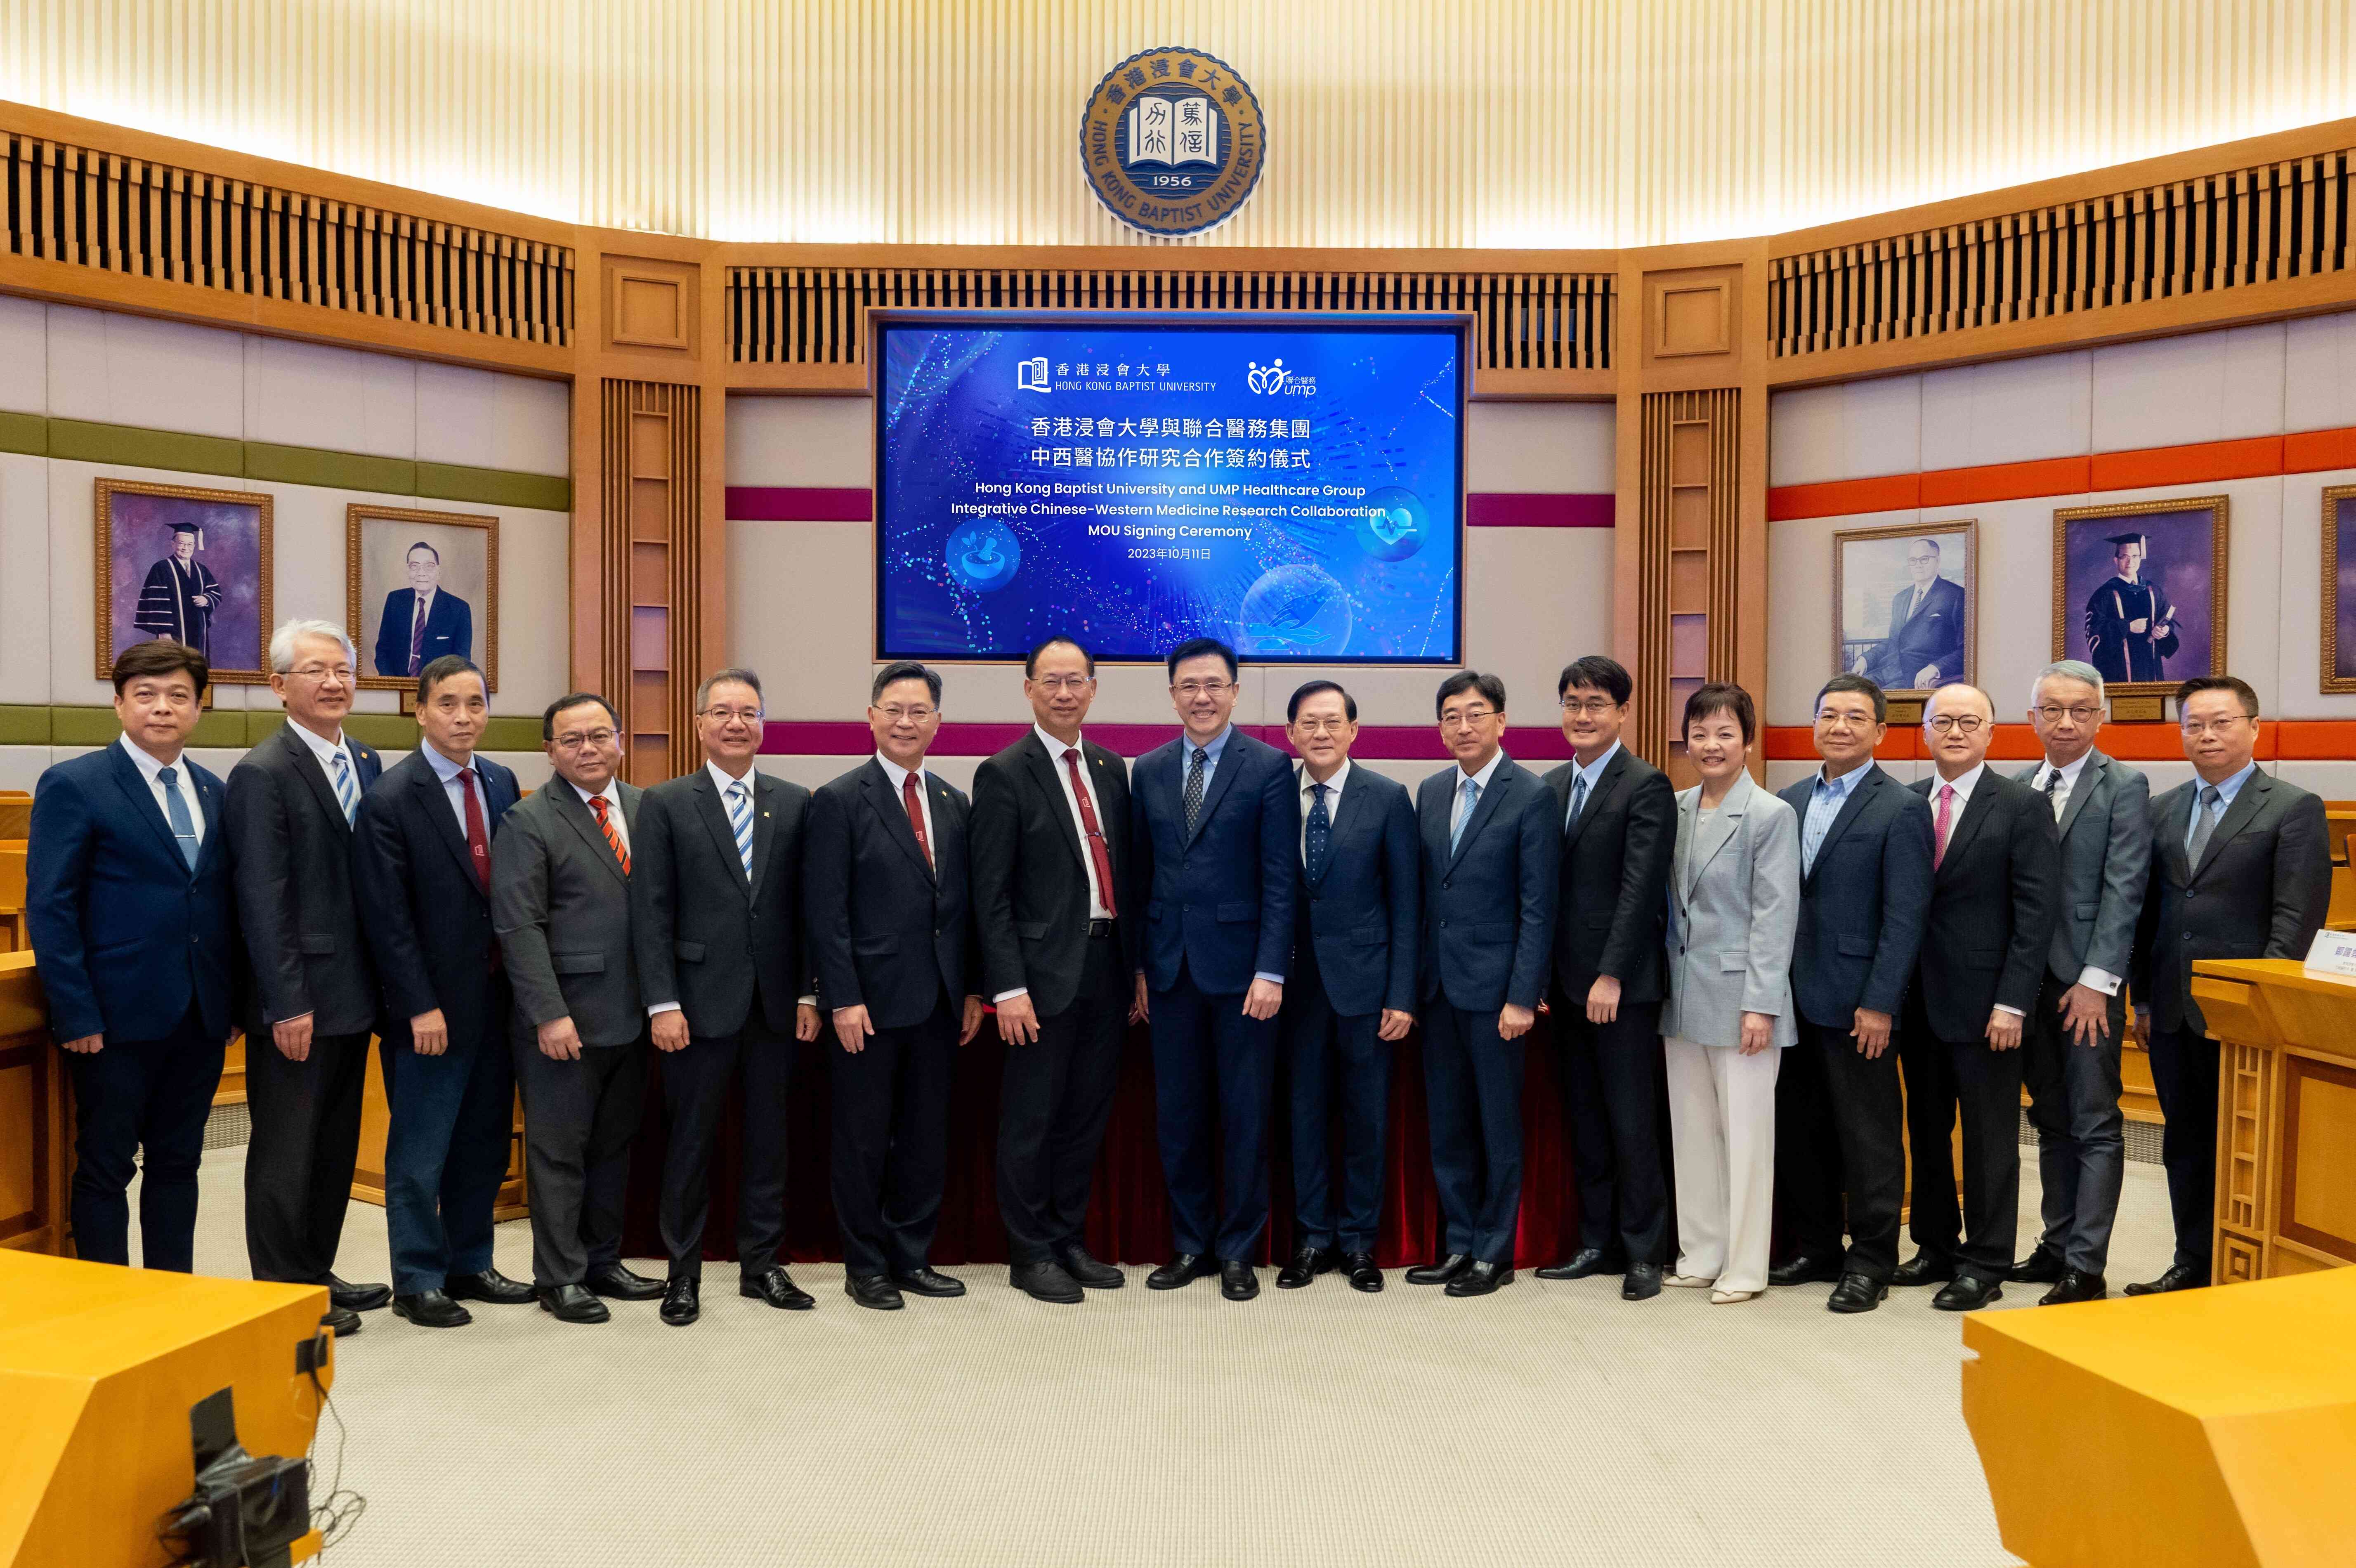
(90, 209)
(2224, 230)
(813, 316)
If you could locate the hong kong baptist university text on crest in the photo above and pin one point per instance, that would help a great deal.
(1172, 142)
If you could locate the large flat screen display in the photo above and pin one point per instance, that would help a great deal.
(1291, 486)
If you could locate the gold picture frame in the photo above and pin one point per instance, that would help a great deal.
(1846, 644)
(119, 505)
(2336, 500)
(2070, 591)
(378, 541)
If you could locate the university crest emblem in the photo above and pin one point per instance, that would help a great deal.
(1172, 142)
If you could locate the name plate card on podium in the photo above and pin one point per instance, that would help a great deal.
(2333, 956)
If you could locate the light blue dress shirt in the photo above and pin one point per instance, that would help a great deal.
(1825, 802)
(2225, 793)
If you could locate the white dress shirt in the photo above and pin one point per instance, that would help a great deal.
(1309, 799)
(447, 771)
(1098, 908)
(612, 795)
(2092, 978)
(1963, 787)
(899, 777)
(326, 751)
(149, 767)
(1590, 772)
(1456, 807)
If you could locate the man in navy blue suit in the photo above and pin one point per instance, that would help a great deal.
(132, 918)
(1214, 836)
(422, 859)
(422, 622)
(1492, 845)
(1352, 992)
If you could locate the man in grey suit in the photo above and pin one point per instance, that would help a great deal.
(2240, 868)
(2072, 1059)
(560, 905)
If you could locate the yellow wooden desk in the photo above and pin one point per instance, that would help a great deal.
(99, 1366)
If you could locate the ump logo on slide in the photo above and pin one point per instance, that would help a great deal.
(1266, 378)
(1173, 141)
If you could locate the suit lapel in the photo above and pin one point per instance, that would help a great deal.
(1231, 759)
(1334, 824)
(209, 804)
(2089, 778)
(434, 797)
(894, 810)
(723, 837)
(1966, 827)
(1597, 793)
(1483, 809)
(1047, 773)
(2174, 825)
(566, 802)
(2246, 802)
(1720, 830)
(142, 800)
(306, 767)
(764, 829)
(1850, 810)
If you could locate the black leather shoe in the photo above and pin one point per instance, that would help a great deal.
(617, 1283)
(2039, 1268)
(1441, 1273)
(1582, 1263)
(776, 1287)
(432, 1309)
(1856, 1293)
(1483, 1278)
(1805, 1271)
(873, 1290)
(1239, 1281)
(2178, 1277)
(929, 1281)
(1306, 1265)
(2074, 1286)
(1088, 1271)
(1967, 1294)
(1046, 1281)
(1183, 1270)
(342, 1319)
(1924, 1268)
(572, 1303)
(682, 1301)
(357, 1298)
(491, 1286)
(1640, 1283)
(1363, 1273)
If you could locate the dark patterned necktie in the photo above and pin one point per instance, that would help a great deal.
(1194, 788)
(1318, 841)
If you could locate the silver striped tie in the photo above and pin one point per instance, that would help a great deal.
(740, 815)
(347, 793)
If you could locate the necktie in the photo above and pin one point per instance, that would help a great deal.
(1318, 840)
(478, 833)
(2053, 796)
(417, 636)
(1466, 798)
(2204, 822)
(1195, 788)
(347, 792)
(1578, 799)
(176, 811)
(598, 803)
(1946, 820)
(912, 797)
(740, 817)
(1098, 855)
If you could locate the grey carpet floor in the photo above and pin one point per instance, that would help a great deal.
(1550, 1423)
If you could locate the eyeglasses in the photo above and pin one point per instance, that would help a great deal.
(321, 671)
(1052, 683)
(723, 715)
(1962, 724)
(595, 739)
(1595, 708)
(1321, 726)
(1190, 690)
(1465, 718)
(2194, 729)
(2082, 715)
(897, 713)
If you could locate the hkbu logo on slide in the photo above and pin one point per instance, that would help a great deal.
(1031, 375)
(1265, 379)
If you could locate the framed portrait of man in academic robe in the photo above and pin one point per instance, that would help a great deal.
(2339, 609)
(188, 566)
(2139, 591)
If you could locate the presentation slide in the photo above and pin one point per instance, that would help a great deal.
(1293, 489)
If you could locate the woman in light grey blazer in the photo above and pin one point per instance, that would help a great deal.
(1734, 904)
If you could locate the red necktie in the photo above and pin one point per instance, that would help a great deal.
(1946, 820)
(1099, 856)
(914, 799)
(479, 836)
(614, 839)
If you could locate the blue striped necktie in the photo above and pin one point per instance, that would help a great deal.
(1471, 794)
(176, 811)
(740, 817)
(348, 794)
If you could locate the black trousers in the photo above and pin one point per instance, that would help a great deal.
(579, 1117)
(1943, 1077)
(2073, 1100)
(1214, 1076)
(1341, 1070)
(1612, 1090)
(695, 1093)
(1839, 1127)
(890, 1137)
(448, 1139)
(1472, 1084)
(299, 1159)
(2184, 1073)
(1054, 1098)
(136, 1097)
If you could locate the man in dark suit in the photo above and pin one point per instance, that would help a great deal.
(1352, 992)
(422, 864)
(422, 622)
(1619, 822)
(1865, 890)
(2103, 813)
(1214, 828)
(313, 1005)
(715, 905)
(885, 905)
(2240, 868)
(128, 904)
(1056, 926)
(1994, 893)
(560, 903)
(1925, 645)
(1492, 861)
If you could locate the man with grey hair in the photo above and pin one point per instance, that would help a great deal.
(313, 1002)
(2102, 812)
(1925, 645)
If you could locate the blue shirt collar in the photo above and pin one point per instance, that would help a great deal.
(1593, 771)
(443, 769)
(2231, 787)
(1211, 749)
(1841, 788)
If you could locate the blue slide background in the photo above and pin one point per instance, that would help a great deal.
(970, 566)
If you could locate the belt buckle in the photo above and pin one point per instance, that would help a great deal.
(1100, 928)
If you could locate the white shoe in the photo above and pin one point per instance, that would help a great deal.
(1728, 1297)
(1689, 1282)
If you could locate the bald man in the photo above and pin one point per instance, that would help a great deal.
(1994, 893)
